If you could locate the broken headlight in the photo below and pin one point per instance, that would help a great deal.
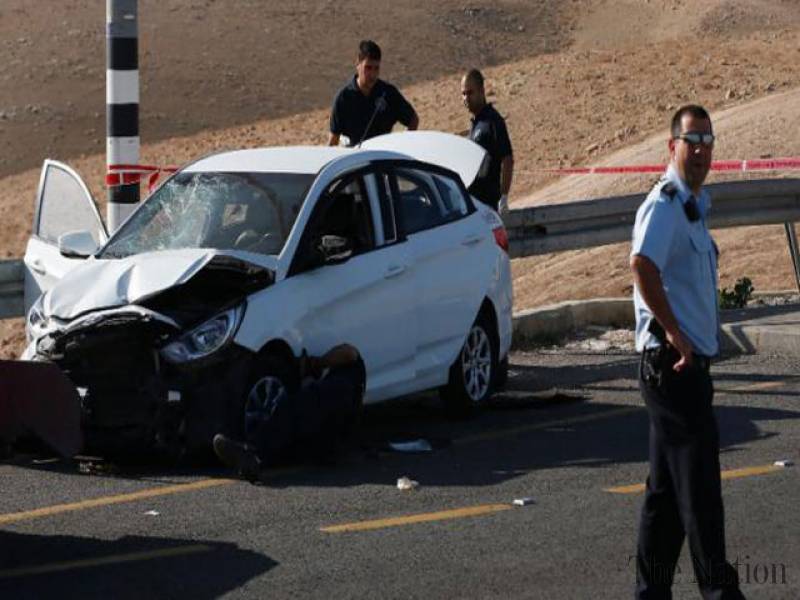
(204, 339)
(36, 318)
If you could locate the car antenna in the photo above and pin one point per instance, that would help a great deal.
(380, 104)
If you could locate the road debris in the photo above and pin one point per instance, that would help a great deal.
(404, 483)
(411, 446)
(94, 465)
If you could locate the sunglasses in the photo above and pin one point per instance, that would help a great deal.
(694, 138)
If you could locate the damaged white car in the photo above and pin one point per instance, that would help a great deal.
(188, 319)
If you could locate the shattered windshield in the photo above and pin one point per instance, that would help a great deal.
(225, 211)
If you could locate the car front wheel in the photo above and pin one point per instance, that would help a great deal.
(471, 375)
(270, 383)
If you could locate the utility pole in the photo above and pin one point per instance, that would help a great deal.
(122, 105)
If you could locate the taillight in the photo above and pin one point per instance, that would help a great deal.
(501, 237)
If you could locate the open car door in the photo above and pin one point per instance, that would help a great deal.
(453, 152)
(63, 205)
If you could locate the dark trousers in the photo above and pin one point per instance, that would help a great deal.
(683, 498)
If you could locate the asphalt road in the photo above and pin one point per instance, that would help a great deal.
(570, 428)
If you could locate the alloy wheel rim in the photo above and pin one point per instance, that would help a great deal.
(476, 363)
(262, 400)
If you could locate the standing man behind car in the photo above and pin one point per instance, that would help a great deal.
(368, 106)
(674, 263)
(489, 131)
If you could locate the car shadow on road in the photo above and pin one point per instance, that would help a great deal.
(588, 435)
(66, 566)
(533, 426)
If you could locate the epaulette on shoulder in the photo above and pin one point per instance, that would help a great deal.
(670, 190)
(666, 187)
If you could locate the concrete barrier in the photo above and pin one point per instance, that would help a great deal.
(549, 323)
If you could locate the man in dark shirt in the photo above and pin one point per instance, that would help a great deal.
(368, 106)
(489, 131)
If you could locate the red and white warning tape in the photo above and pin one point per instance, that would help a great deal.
(122, 174)
(760, 164)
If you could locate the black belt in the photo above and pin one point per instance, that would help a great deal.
(655, 355)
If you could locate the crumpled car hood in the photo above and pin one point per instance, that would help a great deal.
(102, 284)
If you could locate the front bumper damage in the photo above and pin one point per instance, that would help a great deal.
(130, 399)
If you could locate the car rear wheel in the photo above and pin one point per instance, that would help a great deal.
(471, 375)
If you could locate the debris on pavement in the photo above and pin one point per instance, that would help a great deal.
(91, 465)
(420, 445)
(404, 483)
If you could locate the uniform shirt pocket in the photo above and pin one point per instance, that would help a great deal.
(700, 240)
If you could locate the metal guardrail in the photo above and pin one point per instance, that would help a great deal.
(590, 223)
(12, 285)
(586, 224)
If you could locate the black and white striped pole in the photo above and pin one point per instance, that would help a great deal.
(122, 105)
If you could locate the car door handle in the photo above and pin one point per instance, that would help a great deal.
(38, 267)
(394, 271)
(471, 240)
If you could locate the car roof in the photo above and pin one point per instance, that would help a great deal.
(455, 153)
(282, 159)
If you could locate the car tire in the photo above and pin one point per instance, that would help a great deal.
(270, 376)
(501, 375)
(470, 383)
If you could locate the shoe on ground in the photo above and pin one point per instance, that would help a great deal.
(238, 456)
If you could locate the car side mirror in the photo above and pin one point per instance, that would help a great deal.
(77, 244)
(335, 248)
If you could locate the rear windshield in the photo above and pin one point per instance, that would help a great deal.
(226, 211)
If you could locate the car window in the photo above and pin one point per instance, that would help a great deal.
(422, 208)
(452, 197)
(347, 218)
(65, 208)
(228, 211)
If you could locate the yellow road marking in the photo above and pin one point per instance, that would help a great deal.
(761, 385)
(639, 488)
(442, 515)
(108, 500)
(491, 435)
(636, 488)
(103, 560)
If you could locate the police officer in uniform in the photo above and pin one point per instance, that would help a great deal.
(488, 130)
(368, 106)
(674, 264)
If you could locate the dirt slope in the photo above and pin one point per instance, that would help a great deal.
(580, 82)
(211, 64)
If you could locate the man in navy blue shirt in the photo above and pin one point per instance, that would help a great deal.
(368, 106)
(488, 131)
